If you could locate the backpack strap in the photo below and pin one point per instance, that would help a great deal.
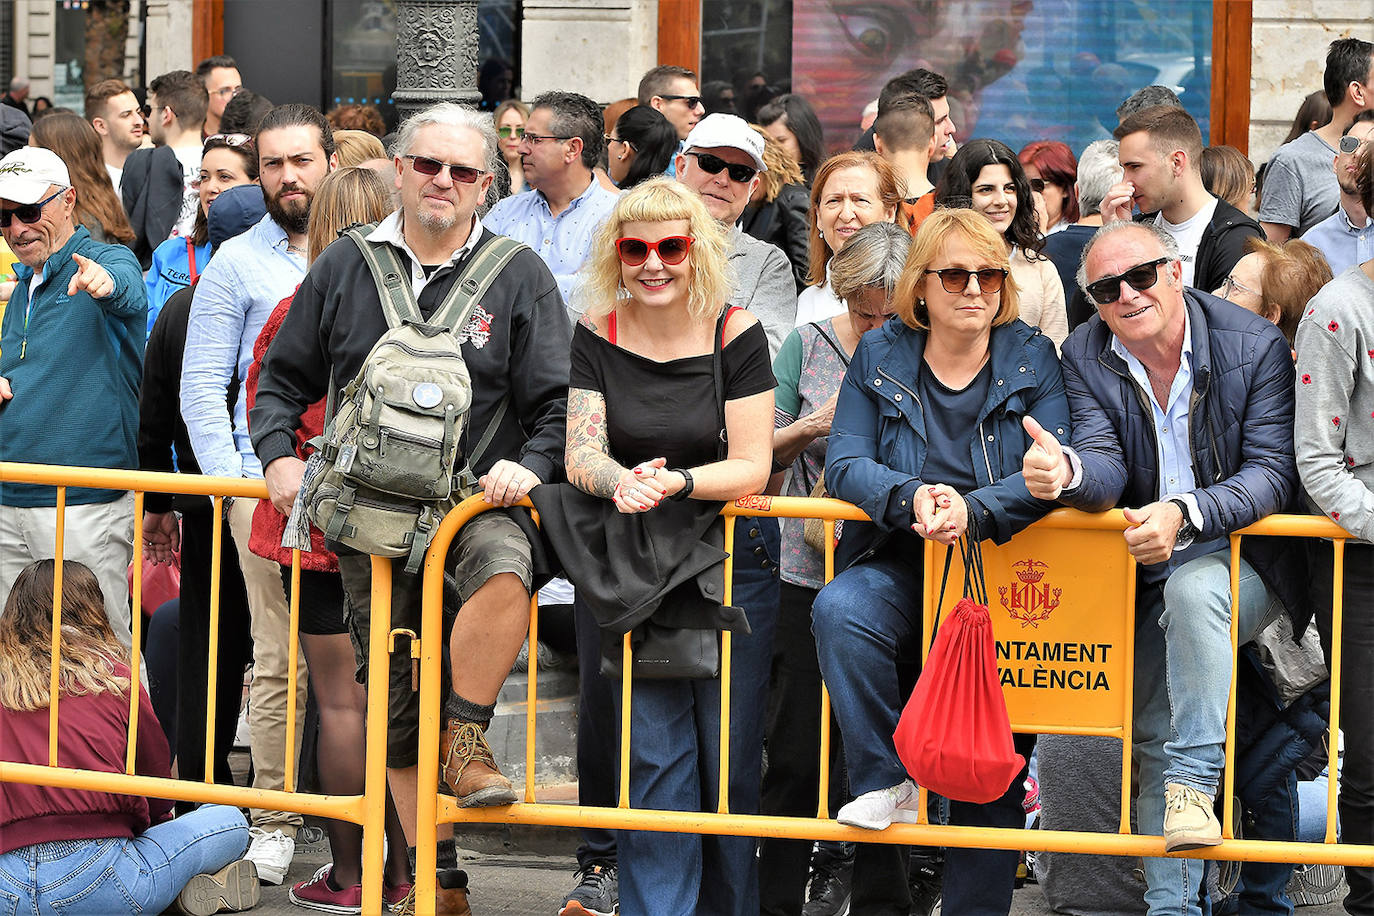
(481, 270)
(393, 285)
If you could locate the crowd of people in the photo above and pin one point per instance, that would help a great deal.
(599, 308)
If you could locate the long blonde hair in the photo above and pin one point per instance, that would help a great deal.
(345, 197)
(89, 650)
(653, 201)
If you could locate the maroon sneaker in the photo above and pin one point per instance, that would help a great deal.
(316, 894)
(395, 896)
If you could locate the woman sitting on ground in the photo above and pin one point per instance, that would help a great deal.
(86, 850)
(953, 379)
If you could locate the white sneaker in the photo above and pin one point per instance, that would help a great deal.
(271, 853)
(877, 809)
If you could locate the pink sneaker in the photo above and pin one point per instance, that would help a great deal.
(316, 894)
(396, 896)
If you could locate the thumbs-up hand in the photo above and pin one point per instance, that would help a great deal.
(90, 278)
(1045, 467)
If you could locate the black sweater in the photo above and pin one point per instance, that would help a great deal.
(518, 344)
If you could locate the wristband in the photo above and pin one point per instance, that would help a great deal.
(687, 484)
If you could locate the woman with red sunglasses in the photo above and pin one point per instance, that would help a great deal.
(670, 409)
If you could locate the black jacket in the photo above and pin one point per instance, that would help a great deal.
(518, 344)
(1222, 245)
(783, 222)
(151, 189)
(1240, 434)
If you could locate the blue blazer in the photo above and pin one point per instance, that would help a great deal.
(878, 444)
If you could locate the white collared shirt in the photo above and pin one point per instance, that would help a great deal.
(390, 231)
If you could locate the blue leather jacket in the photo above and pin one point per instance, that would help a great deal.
(878, 445)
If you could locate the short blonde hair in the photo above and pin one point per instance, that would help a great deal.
(355, 147)
(988, 245)
(652, 201)
(345, 197)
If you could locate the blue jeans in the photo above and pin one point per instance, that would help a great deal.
(1183, 667)
(675, 760)
(117, 875)
(866, 618)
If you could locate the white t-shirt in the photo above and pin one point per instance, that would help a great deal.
(1188, 235)
(817, 303)
(190, 198)
(116, 176)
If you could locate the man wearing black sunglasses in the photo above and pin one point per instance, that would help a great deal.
(71, 359)
(722, 162)
(1182, 409)
(673, 93)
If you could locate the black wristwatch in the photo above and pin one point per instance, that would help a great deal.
(1187, 533)
(687, 484)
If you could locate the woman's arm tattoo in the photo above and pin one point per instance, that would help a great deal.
(589, 465)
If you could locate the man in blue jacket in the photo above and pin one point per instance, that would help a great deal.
(1182, 411)
(71, 358)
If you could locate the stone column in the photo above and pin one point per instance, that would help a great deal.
(599, 48)
(436, 54)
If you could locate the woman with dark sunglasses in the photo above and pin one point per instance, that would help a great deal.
(510, 117)
(927, 440)
(657, 361)
(986, 175)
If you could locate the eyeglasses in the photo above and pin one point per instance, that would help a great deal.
(463, 174)
(226, 92)
(1349, 143)
(713, 165)
(507, 132)
(692, 100)
(955, 279)
(1231, 283)
(1139, 278)
(671, 249)
(537, 138)
(609, 139)
(1037, 185)
(27, 213)
(231, 140)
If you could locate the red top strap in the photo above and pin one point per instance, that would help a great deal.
(610, 324)
(191, 259)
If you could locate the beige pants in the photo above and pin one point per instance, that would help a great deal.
(270, 622)
(99, 535)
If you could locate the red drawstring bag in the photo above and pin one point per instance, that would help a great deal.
(954, 736)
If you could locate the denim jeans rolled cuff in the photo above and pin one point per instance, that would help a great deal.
(117, 875)
(863, 620)
(1198, 662)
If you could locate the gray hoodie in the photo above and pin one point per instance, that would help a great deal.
(1334, 426)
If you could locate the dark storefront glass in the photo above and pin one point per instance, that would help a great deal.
(1019, 70)
(363, 46)
(69, 55)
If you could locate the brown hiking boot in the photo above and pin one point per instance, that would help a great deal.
(451, 893)
(469, 770)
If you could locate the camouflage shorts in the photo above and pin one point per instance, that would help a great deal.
(488, 545)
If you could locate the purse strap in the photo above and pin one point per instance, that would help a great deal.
(830, 340)
(975, 584)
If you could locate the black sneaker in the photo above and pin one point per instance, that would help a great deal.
(597, 893)
(828, 894)
(925, 874)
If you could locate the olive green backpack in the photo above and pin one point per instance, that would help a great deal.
(390, 463)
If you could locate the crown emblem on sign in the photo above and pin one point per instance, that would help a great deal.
(1030, 602)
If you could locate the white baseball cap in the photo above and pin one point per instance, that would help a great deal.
(716, 130)
(28, 172)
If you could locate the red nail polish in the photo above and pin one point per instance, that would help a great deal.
(638, 472)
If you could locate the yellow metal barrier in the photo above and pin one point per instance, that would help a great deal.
(1042, 593)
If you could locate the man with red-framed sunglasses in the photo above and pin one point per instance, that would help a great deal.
(71, 359)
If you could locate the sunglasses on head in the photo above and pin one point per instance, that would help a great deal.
(463, 174)
(507, 132)
(713, 165)
(27, 213)
(692, 100)
(955, 279)
(1349, 144)
(1139, 278)
(1037, 185)
(671, 249)
(232, 140)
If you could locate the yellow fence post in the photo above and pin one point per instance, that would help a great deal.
(378, 684)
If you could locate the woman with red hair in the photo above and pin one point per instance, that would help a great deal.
(1052, 171)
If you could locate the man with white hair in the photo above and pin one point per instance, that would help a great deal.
(18, 92)
(1098, 170)
(516, 346)
(71, 359)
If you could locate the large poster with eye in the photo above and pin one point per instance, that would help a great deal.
(1018, 70)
